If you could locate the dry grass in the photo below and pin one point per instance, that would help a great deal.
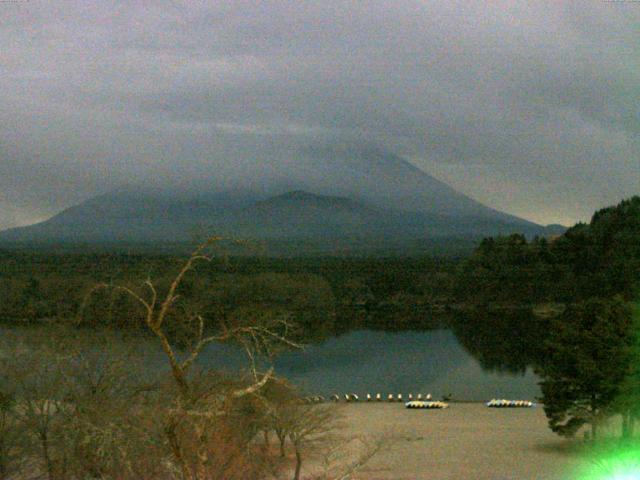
(466, 441)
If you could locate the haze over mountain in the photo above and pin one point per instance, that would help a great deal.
(528, 107)
(326, 192)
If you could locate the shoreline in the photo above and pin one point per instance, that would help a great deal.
(468, 440)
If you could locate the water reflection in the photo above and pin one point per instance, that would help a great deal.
(505, 340)
(390, 362)
(483, 355)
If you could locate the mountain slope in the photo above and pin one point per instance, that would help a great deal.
(387, 181)
(327, 192)
(301, 214)
(123, 217)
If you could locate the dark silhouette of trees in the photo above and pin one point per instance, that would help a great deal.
(589, 352)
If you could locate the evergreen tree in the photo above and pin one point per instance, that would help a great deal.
(589, 351)
(628, 401)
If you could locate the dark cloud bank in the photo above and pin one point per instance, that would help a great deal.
(531, 108)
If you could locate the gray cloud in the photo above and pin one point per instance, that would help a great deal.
(530, 107)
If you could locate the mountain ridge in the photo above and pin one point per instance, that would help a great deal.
(337, 192)
(296, 214)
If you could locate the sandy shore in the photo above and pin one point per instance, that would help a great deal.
(465, 441)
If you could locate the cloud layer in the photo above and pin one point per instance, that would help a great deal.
(532, 108)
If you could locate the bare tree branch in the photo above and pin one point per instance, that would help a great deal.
(255, 387)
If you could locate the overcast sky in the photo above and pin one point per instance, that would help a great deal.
(530, 107)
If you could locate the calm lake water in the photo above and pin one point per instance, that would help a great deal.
(368, 361)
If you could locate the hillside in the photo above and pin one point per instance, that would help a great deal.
(328, 193)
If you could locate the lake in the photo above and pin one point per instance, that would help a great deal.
(367, 361)
(363, 361)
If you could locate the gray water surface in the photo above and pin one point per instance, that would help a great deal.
(364, 361)
(369, 361)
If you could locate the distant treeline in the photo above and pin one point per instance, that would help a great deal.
(599, 259)
(520, 288)
(360, 246)
(323, 295)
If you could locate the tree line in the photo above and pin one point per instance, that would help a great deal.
(325, 296)
(580, 330)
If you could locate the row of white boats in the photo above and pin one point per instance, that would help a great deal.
(352, 397)
(427, 404)
(504, 403)
(419, 401)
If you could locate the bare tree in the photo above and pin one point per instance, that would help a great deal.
(311, 427)
(195, 411)
(84, 409)
(314, 432)
(10, 435)
(344, 458)
(41, 410)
